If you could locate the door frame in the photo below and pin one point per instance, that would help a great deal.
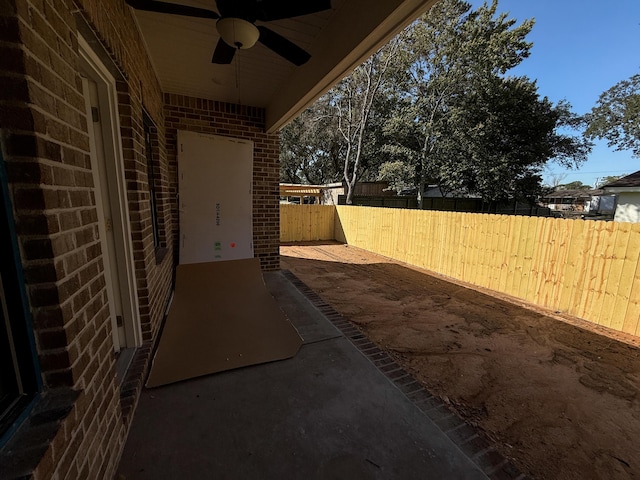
(93, 68)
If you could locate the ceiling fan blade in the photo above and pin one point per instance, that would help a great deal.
(172, 8)
(283, 47)
(224, 53)
(232, 8)
(267, 10)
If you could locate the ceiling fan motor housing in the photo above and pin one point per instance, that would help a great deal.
(237, 33)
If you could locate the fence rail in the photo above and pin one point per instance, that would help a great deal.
(588, 269)
(449, 204)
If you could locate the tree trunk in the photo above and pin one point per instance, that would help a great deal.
(350, 189)
(421, 189)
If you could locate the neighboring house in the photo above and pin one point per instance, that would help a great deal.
(601, 204)
(628, 203)
(334, 193)
(574, 200)
(300, 194)
(331, 192)
(93, 96)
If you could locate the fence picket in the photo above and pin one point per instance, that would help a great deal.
(592, 301)
(616, 249)
(631, 317)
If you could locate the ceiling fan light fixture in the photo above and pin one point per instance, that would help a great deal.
(237, 33)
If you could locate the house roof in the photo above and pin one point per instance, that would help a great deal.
(574, 193)
(338, 40)
(632, 180)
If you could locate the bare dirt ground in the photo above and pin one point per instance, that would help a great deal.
(557, 398)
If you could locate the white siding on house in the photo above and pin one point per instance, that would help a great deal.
(628, 208)
(331, 192)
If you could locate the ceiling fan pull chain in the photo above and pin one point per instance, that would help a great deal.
(236, 41)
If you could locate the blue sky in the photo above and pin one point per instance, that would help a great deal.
(580, 49)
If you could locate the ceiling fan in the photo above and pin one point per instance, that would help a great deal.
(236, 23)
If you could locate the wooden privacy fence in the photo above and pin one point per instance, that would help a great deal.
(302, 223)
(588, 269)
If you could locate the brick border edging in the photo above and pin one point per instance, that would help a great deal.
(131, 386)
(468, 439)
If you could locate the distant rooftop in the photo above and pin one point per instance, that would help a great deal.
(574, 193)
(632, 180)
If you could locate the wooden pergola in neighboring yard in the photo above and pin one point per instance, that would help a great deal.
(293, 190)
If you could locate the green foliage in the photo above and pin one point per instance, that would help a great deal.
(434, 107)
(609, 179)
(616, 116)
(399, 174)
(466, 127)
(340, 133)
(310, 149)
(504, 134)
(359, 103)
(577, 185)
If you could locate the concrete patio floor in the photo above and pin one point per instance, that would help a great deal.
(340, 409)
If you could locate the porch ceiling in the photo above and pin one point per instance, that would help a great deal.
(337, 39)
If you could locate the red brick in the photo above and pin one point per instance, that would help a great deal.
(52, 339)
(12, 88)
(9, 30)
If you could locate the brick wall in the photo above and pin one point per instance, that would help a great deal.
(79, 426)
(43, 132)
(230, 120)
(154, 280)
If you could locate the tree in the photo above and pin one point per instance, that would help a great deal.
(576, 185)
(555, 180)
(400, 175)
(434, 107)
(310, 148)
(339, 137)
(451, 50)
(356, 103)
(616, 116)
(504, 135)
(608, 179)
(462, 123)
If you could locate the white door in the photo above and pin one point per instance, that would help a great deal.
(111, 199)
(216, 199)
